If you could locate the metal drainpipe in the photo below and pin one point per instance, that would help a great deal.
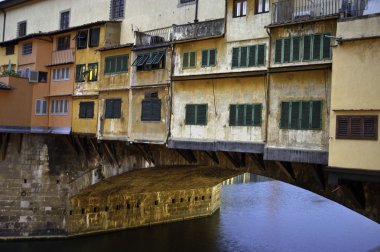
(5, 16)
(267, 102)
(196, 12)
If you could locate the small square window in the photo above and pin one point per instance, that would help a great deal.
(240, 8)
(262, 6)
(65, 20)
(21, 29)
(63, 43)
(27, 48)
(10, 50)
(113, 109)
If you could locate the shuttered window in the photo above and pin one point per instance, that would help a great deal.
(79, 72)
(94, 37)
(304, 115)
(27, 48)
(196, 114)
(189, 60)
(245, 114)
(150, 61)
(116, 64)
(357, 127)
(151, 110)
(92, 72)
(208, 57)
(309, 47)
(86, 110)
(248, 56)
(63, 43)
(82, 39)
(113, 108)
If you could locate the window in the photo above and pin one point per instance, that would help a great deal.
(59, 107)
(94, 37)
(150, 61)
(79, 73)
(92, 72)
(27, 73)
(248, 56)
(117, 9)
(113, 108)
(186, 1)
(306, 48)
(27, 48)
(357, 127)
(151, 107)
(240, 8)
(116, 64)
(60, 74)
(82, 39)
(42, 77)
(196, 114)
(41, 107)
(86, 110)
(63, 43)
(305, 115)
(209, 58)
(262, 6)
(189, 60)
(21, 29)
(245, 114)
(65, 20)
(10, 50)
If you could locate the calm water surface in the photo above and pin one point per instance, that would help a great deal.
(256, 216)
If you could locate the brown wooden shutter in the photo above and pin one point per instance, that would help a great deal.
(342, 126)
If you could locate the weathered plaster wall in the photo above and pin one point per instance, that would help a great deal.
(84, 125)
(59, 121)
(144, 130)
(4, 59)
(292, 86)
(366, 26)
(218, 94)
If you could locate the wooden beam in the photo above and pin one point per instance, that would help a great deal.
(213, 156)
(21, 137)
(287, 169)
(317, 172)
(69, 142)
(145, 152)
(354, 192)
(234, 158)
(258, 159)
(4, 145)
(95, 146)
(79, 143)
(188, 155)
(109, 152)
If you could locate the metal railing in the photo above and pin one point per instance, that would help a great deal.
(63, 56)
(165, 33)
(285, 11)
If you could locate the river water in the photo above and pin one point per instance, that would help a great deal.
(257, 214)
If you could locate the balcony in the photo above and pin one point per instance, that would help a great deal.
(289, 11)
(200, 30)
(63, 57)
(153, 37)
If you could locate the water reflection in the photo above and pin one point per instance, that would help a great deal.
(265, 216)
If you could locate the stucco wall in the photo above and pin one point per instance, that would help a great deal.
(84, 125)
(358, 28)
(218, 94)
(293, 86)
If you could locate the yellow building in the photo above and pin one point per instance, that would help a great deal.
(355, 101)
(8, 56)
(89, 39)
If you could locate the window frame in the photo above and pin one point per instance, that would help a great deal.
(119, 106)
(25, 50)
(248, 61)
(64, 44)
(41, 107)
(22, 28)
(196, 118)
(10, 49)
(57, 72)
(64, 24)
(188, 63)
(117, 10)
(91, 33)
(235, 8)
(264, 4)
(115, 59)
(59, 107)
(253, 108)
(300, 115)
(362, 131)
(208, 57)
(83, 67)
(82, 39)
(86, 107)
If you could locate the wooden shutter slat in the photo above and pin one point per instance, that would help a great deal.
(296, 49)
(212, 57)
(249, 115)
(257, 114)
(156, 109)
(243, 56)
(317, 47)
(235, 57)
(185, 60)
(232, 115)
(204, 58)
(356, 127)
(295, 115)
(201, 114)
(342, 128)
(192, 59)
(287, 50)
(305, 115)
(261, 55)
(285, 109)
(252, 56)
(240, 115)
(316, 120)
(190, 114)
(278, 51)
(307, 47)
(146, 110)
(326, 47)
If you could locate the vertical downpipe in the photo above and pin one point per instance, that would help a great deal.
(5, 16)
(267, 84)
(196, 12)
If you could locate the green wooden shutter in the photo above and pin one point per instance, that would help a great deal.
(285, 109)
(295, 115)
(326, 47)
(286, 50)
(296, 49)
(82, 110)
(257, 114)
(212, 61)
(190, 114)
(235, 57)
(193, 59)
(305, 115)
(156, 110)
(317, 47)
(316, 122)
(146, 110)
(109, 104)
(185, 60)
(278, 51)
(252, 56)
(107, 68)
(307, 47)
(261, 55)
(243, 56)
(248, 115)
(232, 115)
(116, 109)
(201, 114)
(240, 115)
(204, 58)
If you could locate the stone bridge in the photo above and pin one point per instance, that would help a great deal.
(46, 179)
